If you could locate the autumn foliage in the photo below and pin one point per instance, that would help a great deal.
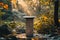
(5, 6)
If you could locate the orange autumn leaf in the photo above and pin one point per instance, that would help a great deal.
(1, 4)
(5, 6)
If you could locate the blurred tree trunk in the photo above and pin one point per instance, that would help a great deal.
(56, 6)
